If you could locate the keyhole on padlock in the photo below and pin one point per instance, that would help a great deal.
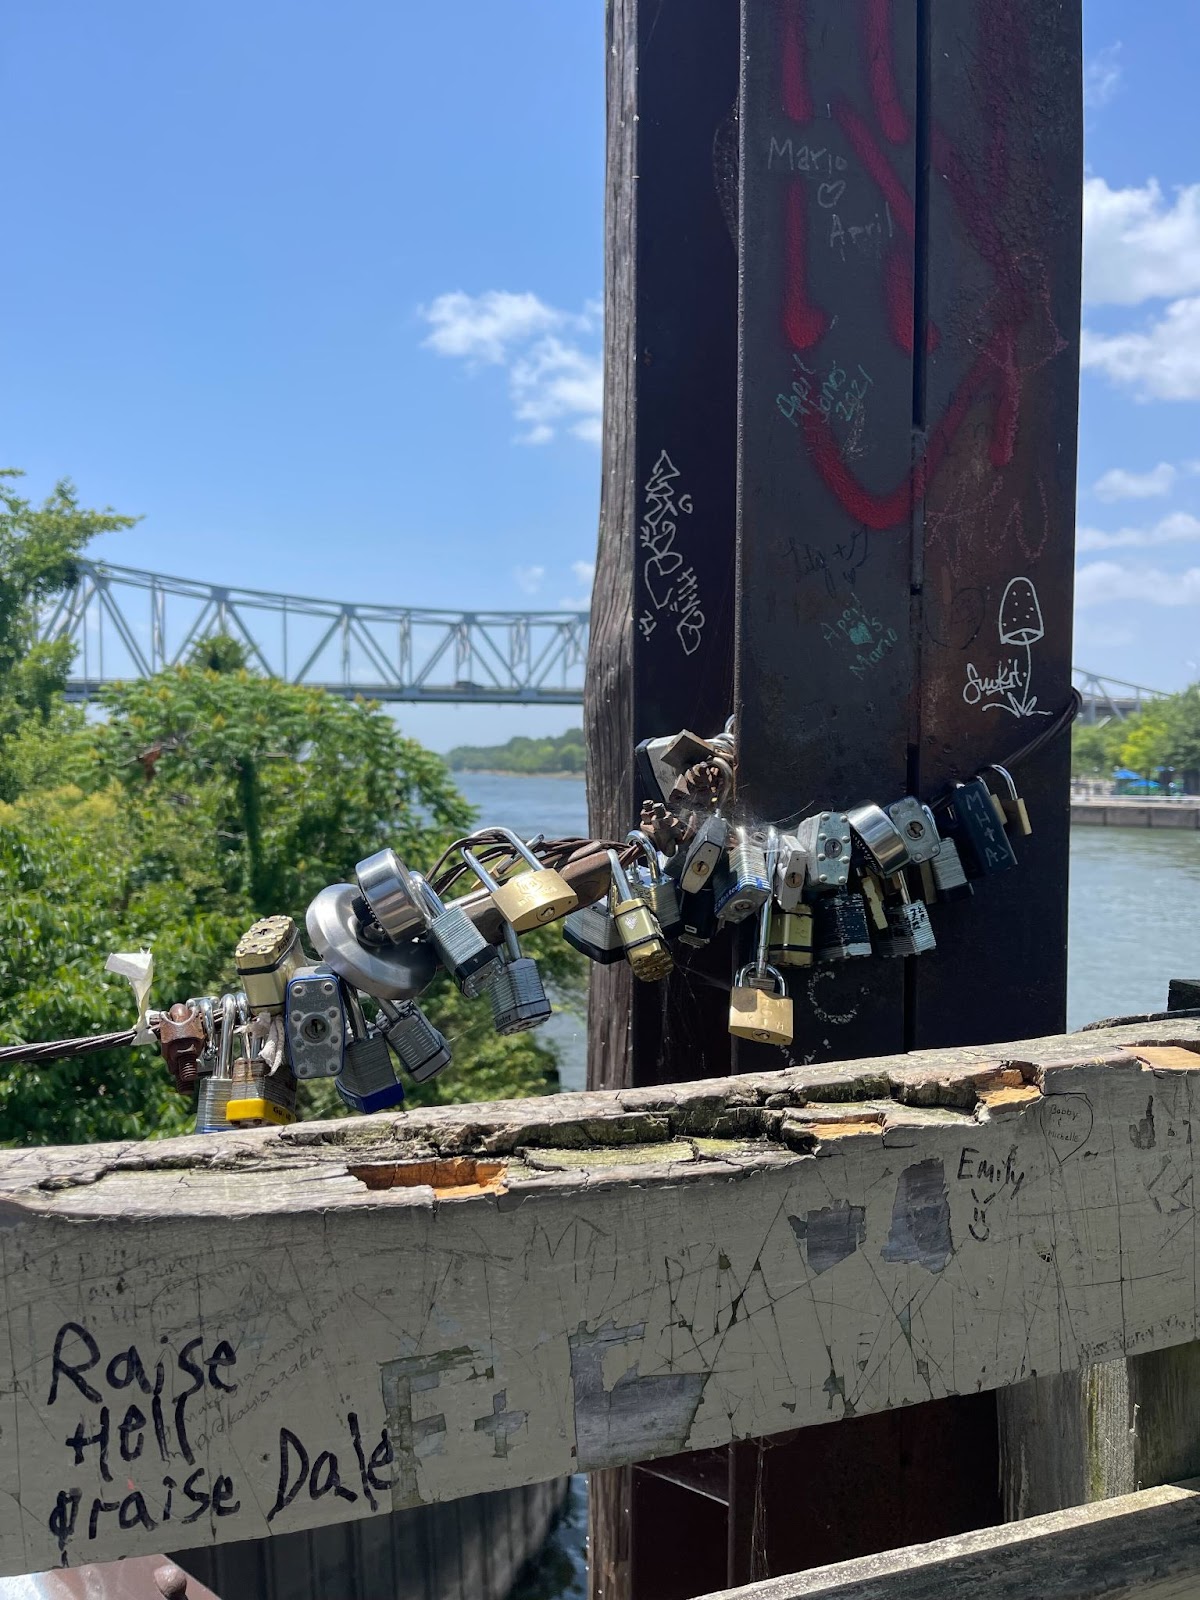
(315, 1030)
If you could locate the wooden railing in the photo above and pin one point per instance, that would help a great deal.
(234, 1336)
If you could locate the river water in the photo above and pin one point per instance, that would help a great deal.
(1134, 918)
(1134, 923)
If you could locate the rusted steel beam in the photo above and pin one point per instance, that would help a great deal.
(225, 1337)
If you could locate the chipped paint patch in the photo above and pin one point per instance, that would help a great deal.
(829, 1235)
(635, 1417)
(920, 1231)
(451, 1177)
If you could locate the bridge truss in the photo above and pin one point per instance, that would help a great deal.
(1109, 699)
(126, 623)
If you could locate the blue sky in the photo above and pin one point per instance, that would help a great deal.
(315, 290)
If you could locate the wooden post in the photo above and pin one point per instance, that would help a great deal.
(662, 604)
(908, 323)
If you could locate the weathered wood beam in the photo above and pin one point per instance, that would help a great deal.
(1141, 1546)
(219, 1338)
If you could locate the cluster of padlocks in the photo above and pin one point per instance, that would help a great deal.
(835, 887)
(382, 938)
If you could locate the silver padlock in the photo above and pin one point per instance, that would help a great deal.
(879, 838)
(593, 931)
(824, 840)
(949, 879)
(518, 998)
(914, 822)
(213, 1103)
(421, 1047)
(651, 884)
(791, 873)
(471, 961)
(910, 932)
(701, 855)
(316, 1023)
(368, 1080)
(390, 895)
(742, 886)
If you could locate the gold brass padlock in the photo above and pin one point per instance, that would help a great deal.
(645, 948)
(1009, 806)
(790, 940)
(532, 899)
(756, 1014)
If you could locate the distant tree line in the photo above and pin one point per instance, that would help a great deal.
(1162, 739)
(567, 753)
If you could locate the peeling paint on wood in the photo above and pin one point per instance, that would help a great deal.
(219, 1338)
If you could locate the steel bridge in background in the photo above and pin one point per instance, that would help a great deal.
(1110, 699)
(126, 623)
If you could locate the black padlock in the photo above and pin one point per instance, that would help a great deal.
(976, 829)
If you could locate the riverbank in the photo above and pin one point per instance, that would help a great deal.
(1112, 811)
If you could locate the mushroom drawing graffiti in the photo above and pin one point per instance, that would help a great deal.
(1020, 626)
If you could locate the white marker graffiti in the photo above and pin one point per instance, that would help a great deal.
(671, 586)
(1020, 626)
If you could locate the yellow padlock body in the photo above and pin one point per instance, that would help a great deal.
(790, 939)
(761, 1017)
(645, 948)
(1017, 816)
(259, 1111)
(532, 899)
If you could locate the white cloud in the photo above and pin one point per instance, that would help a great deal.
(1102, 582)
(1160, 362)
(584, 573)
(1137, 246)
(555, 369)
(529, 579)
(484, 327)
(1179, 528)
(558, 382)
(1102, 77)
(1117, 484)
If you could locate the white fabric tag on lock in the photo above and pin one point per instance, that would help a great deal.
(267, 1030)
(138, 967)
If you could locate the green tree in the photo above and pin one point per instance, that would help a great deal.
(39, 546)
(1095, 750)
(1147, 739)
(206, 799)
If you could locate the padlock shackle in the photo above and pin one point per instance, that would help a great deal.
(228, 1023)
(994, 766)
(202, 1005)
(512, 944)
(520, 847)
(771, 858)
(619, 877)
(354, 1006)
(480, 871)
(646, 846)
(766, 971)
(428, 899)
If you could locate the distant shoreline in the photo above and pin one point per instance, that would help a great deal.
(503, 772)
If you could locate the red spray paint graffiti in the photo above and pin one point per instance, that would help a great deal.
(1018, 317)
